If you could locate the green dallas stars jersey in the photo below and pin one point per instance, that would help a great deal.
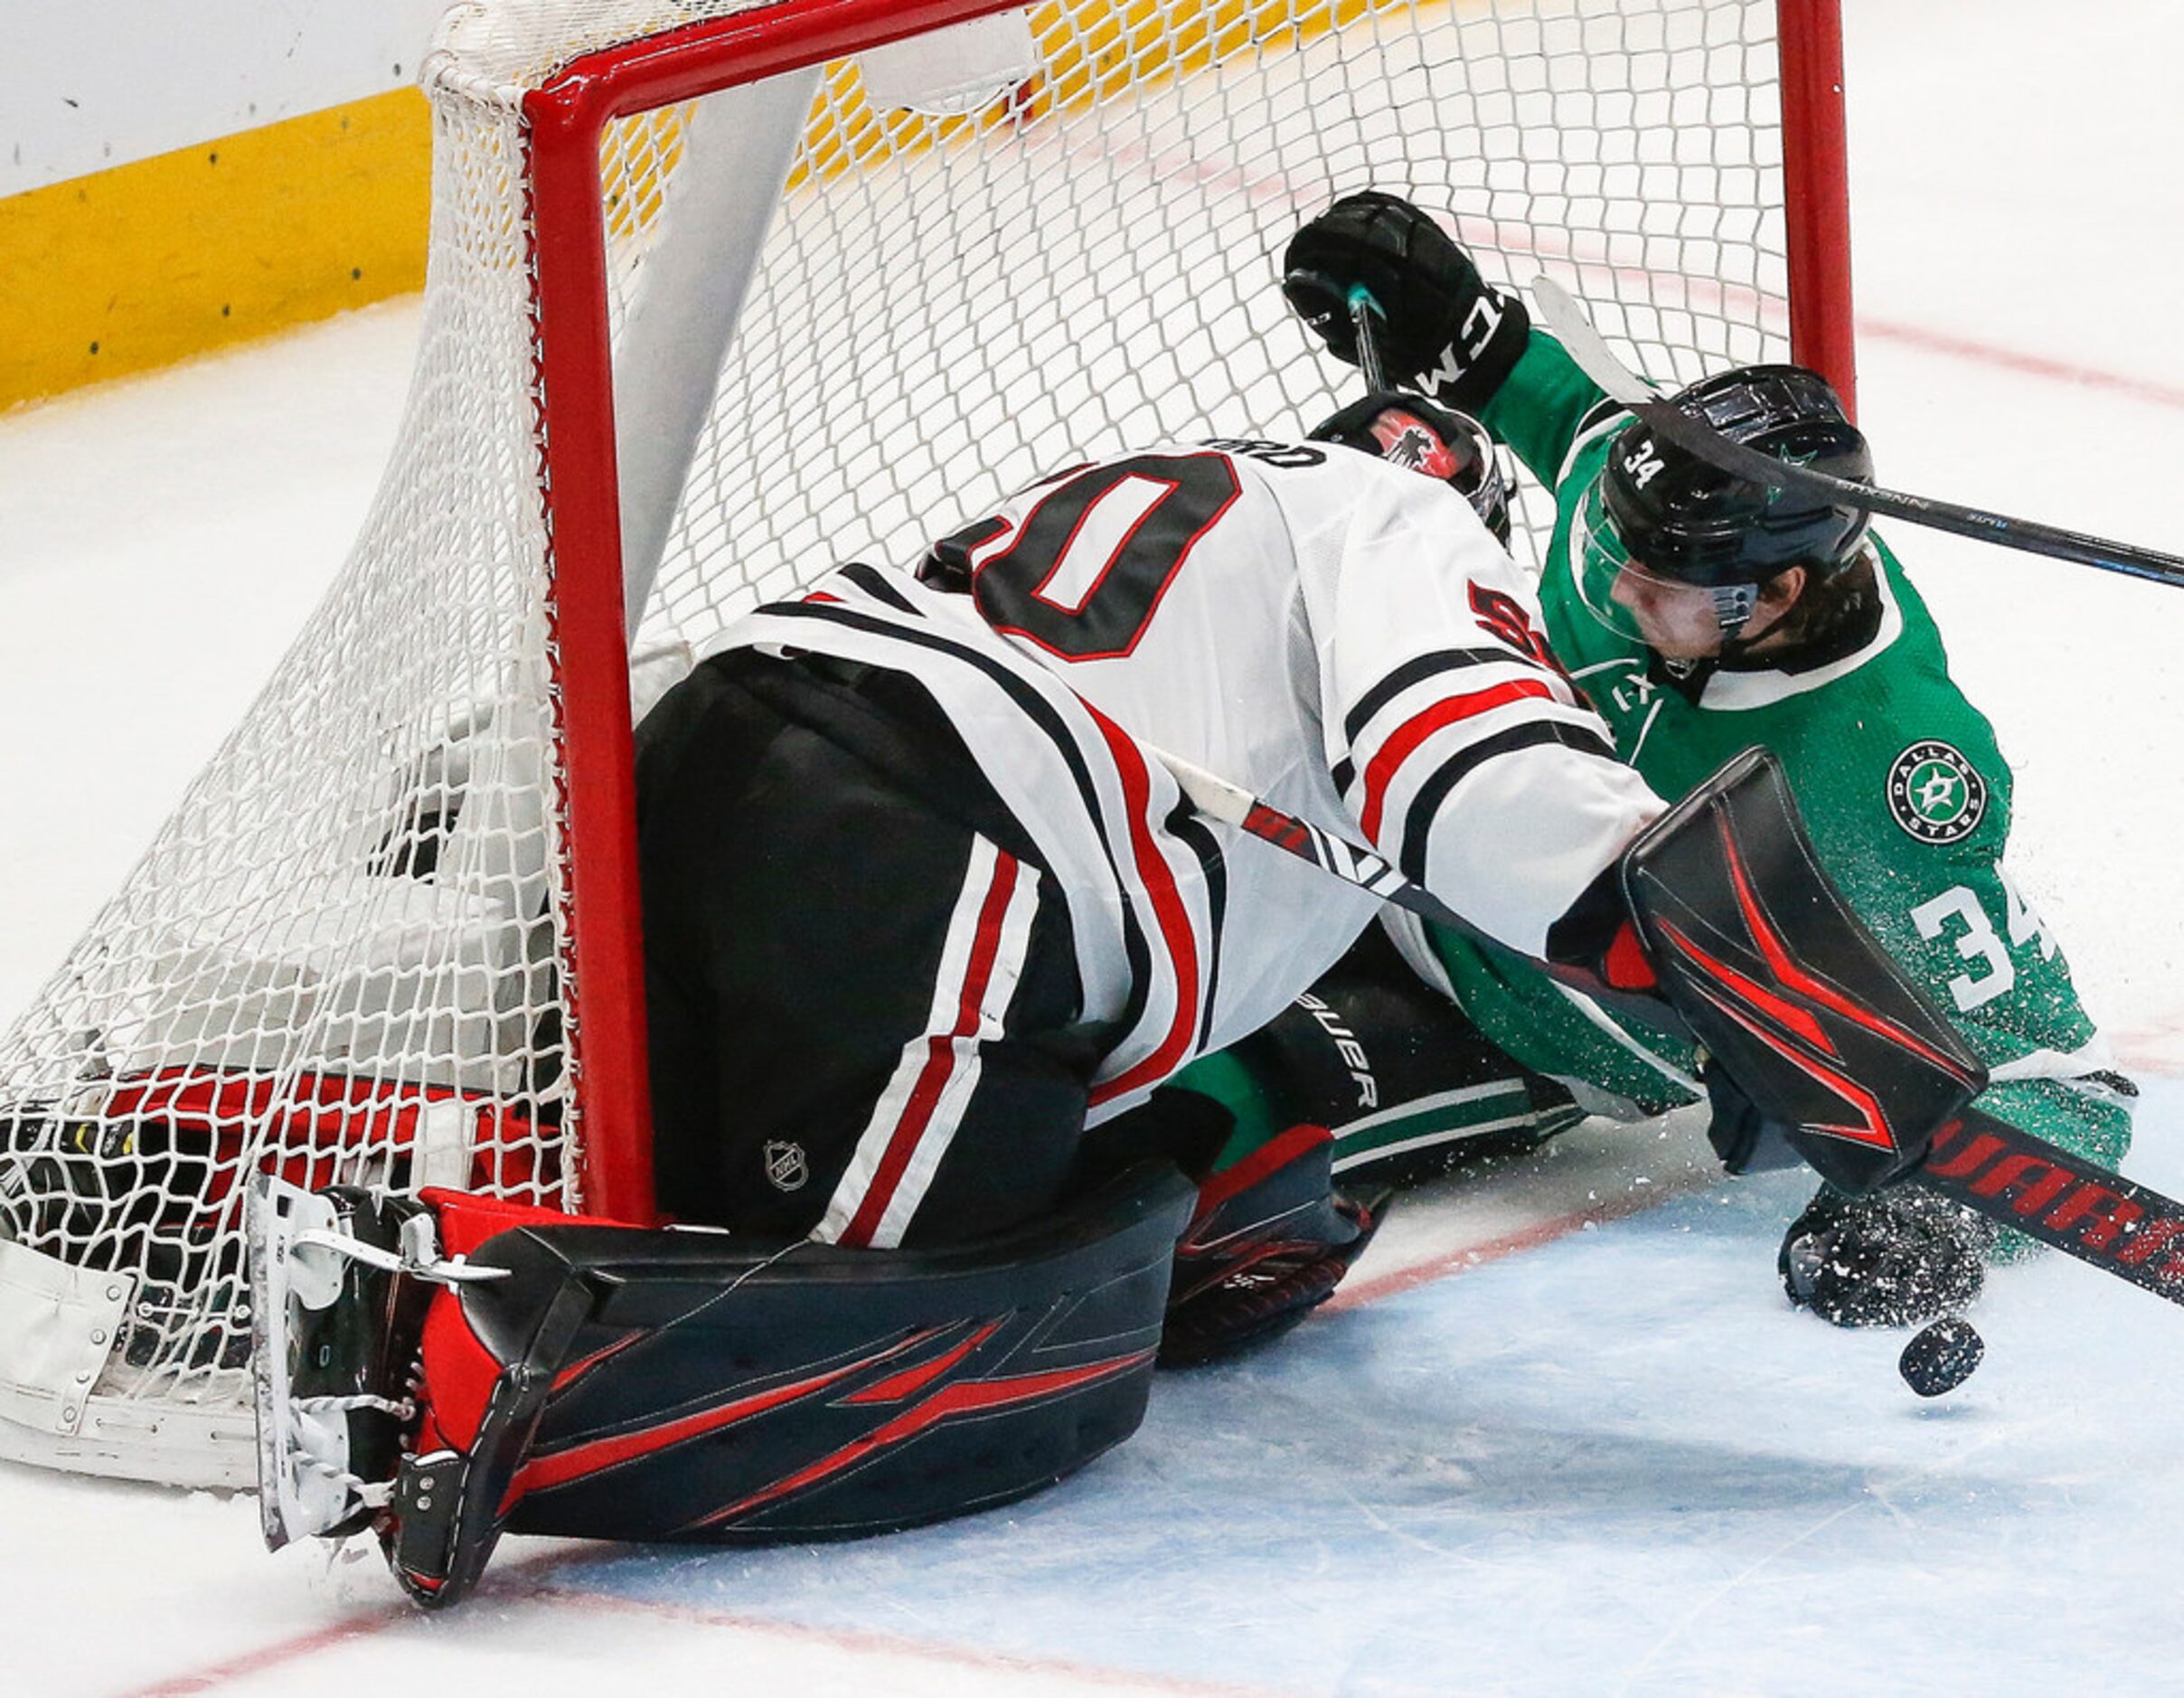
(1901, 784)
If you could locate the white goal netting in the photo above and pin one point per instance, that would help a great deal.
(347, 958)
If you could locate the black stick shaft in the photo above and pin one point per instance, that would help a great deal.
(1694, 435)
(2062, 1199)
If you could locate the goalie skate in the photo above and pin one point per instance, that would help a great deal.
(340, 1281)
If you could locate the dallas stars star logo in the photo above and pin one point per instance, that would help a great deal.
(1935, 794)
(1934, 791)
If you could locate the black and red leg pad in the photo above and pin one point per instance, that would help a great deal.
(626, 1383)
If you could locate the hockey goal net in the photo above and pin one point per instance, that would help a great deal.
(721, 295)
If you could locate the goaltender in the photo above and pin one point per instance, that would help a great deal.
(929, 925)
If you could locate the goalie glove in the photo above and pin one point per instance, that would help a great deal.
(1898, 1259)
(1446, 331)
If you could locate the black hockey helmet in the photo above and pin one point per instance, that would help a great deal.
(1661, 510)
(1410, 431)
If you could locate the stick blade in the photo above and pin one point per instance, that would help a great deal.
(1563, 316)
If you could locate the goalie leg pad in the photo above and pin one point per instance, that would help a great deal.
(621, 1383)
(1785, 989)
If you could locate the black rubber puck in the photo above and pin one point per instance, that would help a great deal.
(1942, 1356)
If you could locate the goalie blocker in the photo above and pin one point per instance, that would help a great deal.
(1828, 1041)
(445, 1369)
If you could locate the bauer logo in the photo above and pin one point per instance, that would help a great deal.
(786, 1169)
(1935, 794)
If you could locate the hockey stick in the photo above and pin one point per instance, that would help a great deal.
(1991, 1167)
(1351, 863)
(2021, 1181)
(1988, 1166)
(1363, 311)
(1584, 344)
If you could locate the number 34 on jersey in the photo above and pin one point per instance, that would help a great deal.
(1958, 913)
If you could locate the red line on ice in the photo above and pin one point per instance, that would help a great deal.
(214, 1676)
(217, 1675)
(532, 1580)
(2014, 360)
(1357, 1293)
(863, 1639)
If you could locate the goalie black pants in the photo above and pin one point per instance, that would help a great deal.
(860, 986)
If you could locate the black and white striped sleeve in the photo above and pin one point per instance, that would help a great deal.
(1465, 753)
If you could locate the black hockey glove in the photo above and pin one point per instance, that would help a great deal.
(1445, 330)
(1896, 1258)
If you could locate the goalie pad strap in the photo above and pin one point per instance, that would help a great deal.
(1786, 990)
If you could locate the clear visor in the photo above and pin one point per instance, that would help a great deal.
(1639, 604)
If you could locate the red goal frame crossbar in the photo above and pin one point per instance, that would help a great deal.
(602, 969)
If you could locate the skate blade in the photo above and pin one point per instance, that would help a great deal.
(295, 1500)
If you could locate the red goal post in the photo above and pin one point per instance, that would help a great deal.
(1816, 169)
(719, 295)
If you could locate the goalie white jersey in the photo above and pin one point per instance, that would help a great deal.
(1338, 635)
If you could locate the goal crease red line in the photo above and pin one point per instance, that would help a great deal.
(1636, 1200)
(863, 1639)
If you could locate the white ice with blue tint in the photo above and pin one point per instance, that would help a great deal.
(1614, 1461)
(1608, 1463)
(1617, 1460)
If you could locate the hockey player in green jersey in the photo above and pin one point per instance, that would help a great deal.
(1703, 614)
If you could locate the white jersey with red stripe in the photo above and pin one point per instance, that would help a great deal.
(1338, 635)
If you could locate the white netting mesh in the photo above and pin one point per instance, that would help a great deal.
(341, 958)
(946, 311)
(336, 959)
(518, 45)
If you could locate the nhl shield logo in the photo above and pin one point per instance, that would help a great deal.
(1935, 794)
(786, 1169)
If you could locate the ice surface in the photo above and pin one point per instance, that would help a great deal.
(1608, 1460)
